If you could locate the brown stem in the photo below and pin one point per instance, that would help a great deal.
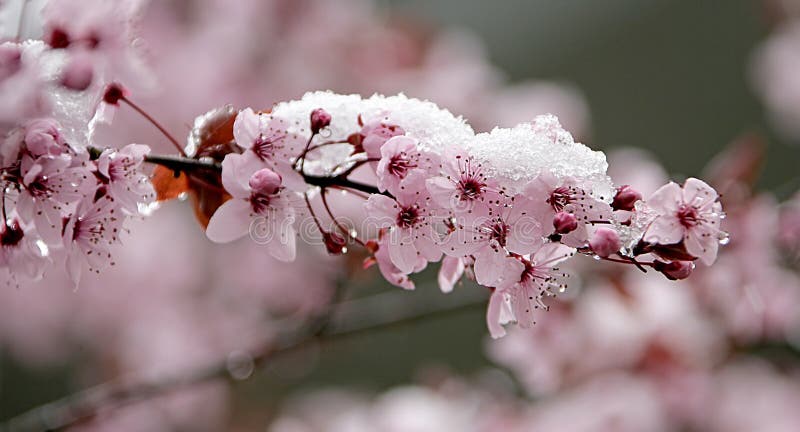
(156, 124)
(343, 229)
(178, 163)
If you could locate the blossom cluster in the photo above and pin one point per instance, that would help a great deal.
(65, 198)
(504, 207)
(61, 202)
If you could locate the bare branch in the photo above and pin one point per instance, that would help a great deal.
(344, 319)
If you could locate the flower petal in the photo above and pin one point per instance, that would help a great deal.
(231, 221)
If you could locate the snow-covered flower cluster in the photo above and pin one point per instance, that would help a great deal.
(504, 207)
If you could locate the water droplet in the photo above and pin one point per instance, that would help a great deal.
(722, 215)
(724, 238)
(596, 257)
(353, 233)
(43, 249)
(240, 365)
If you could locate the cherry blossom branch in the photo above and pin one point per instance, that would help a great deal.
(178, 163)
(361, 317)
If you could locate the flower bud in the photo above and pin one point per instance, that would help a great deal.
(675, 270)
(625, 198)
(319, 119)
(114, 92)
(334, 243)
(265, 182)
(565, 222)
(371, 246)
(605, 242)
(78, 73)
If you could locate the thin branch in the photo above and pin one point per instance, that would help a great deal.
(155, 123)
(371, 315)
(178, 163)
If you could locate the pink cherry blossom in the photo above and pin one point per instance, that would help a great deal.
(690, 215)
(89, 235)
(259, 205)
(100, 31)
(43, 138)
(410, 218)
(524, 283)
(462, 182)
(268, 139)
(51, 187)
(399, 157)
(120, 171)
(555, 195)
(489, 233)
(23, 92)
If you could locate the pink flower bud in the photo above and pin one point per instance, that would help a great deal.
(334, 243)
(605, 242)
(114, 92)
(265, 182)
(565, 222)
(675, 270)
(319, 119)
(78, 73)
(625, 198)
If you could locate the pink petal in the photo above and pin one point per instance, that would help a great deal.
(402, 251)
(526, 232)
(230, 222)
(381, 211)
(551, 254)
(74, 267)
(291, 179)
(426, 246)
(702, 242)
(246, 128)
(236, 172)
(666, 199)
(493, 311)
(449, 273)
(283, 246)
(664, 230)
(494, 268)
(698, 193)
(442, 191)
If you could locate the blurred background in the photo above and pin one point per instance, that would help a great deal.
(663, 86)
